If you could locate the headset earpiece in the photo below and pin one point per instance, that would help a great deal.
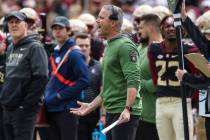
(114, 15)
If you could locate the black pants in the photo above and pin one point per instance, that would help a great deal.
(125, 131)
(19, 124)
(63, 125)
(44, 133)
(146, 131)
(1, 124)
(87, 124)
(207, 125)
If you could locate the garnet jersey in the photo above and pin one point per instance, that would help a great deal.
(163, 66)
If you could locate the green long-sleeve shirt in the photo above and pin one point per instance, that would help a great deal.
(120, 71)
(147, 89)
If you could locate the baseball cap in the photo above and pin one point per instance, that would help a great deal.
(19, 15)
(61, 21)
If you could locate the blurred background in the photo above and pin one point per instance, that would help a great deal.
(73, 8)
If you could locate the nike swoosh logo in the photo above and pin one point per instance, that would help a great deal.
(174, 56)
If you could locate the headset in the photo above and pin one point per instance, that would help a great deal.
(114, 15)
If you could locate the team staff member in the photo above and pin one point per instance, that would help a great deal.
(68, 77)
(149, 30)
(120, 68)
(25, 79)
(202, 41)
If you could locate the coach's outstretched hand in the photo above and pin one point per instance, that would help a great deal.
(83, 110)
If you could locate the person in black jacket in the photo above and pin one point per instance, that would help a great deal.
(2, 70)
(198, 82)
(202, 41)
(25, 79)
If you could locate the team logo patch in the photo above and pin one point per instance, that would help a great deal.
(133, 56)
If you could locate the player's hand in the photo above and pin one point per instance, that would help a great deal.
(179, 74)
(183, 12)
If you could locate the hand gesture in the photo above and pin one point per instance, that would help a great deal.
(83, 110)
(183, 11)
(124, 116)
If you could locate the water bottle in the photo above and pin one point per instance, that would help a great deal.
(82, 96)
(102, 136)
(95, 135)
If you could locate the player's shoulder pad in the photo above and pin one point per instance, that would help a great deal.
(154, 47)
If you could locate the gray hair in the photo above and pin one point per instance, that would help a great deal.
(117, 12)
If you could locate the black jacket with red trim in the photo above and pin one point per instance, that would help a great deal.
(64, 87)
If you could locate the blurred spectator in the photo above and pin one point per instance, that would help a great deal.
(137, 14)
(153, 2)
(95, 6)
(90, 22)
(74, 11)
(127, 7)
(205, 5)
(203, 22)
(32, 18)
(127, 26)
(97, 45)
(77, 26)
(29, 3)
(140, 11)
(161, 11)
(10, 5)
